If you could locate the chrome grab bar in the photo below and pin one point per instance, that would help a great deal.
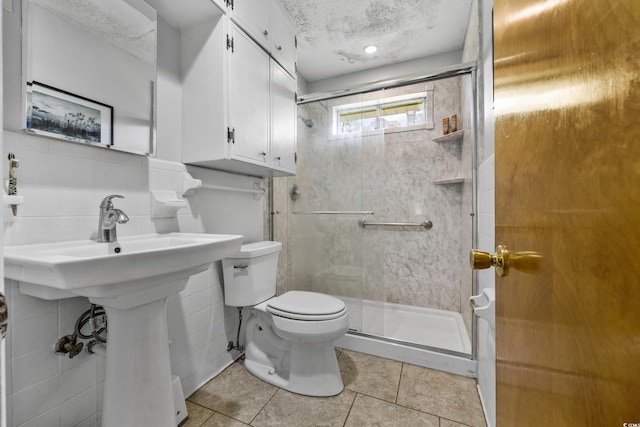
(335, 213)
(426, 224)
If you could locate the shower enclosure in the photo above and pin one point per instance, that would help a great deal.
(381, 215)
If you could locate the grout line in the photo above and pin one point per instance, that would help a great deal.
(373, 397)
(266, 403)
(399, 382)
(350, 408)
(186, 420)
(231, 418)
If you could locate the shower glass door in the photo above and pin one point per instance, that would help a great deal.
(338, 149)
(372, 170)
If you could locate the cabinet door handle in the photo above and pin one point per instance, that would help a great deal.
(263, 153)
(266, 33)
(280, 48)
(278, 158)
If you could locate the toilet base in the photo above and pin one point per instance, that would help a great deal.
(313, 371)
(308, 368)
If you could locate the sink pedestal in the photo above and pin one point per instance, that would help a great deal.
(137, 386)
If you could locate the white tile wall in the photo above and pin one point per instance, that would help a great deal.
(486, 242)
(62, 185)
(486, 205)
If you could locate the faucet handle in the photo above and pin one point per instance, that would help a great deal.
(106, 202)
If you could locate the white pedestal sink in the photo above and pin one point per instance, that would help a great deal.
(133, 286)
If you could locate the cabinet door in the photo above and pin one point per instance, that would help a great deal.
(204, 91)
(249, 99)
(283, 120)
(254, 17)
(283, 40)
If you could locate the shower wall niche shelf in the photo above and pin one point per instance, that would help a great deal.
(447, 181)
(450, 137)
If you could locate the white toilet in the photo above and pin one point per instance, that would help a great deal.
(289, 339)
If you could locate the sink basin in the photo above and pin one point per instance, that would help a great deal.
(131, 279)
(104, 270)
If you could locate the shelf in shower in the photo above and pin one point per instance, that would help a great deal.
(447, 181)
(450, 137)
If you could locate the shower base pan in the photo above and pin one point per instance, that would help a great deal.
(426, 337)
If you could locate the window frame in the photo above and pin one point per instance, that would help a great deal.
(378, 106)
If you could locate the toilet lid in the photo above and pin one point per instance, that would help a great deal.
(302, 305)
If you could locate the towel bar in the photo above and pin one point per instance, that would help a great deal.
(426, 224)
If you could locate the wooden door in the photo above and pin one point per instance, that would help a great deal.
(567, 105)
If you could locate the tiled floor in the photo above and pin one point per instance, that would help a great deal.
(378, 391)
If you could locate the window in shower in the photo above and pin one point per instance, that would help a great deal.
(396, 112)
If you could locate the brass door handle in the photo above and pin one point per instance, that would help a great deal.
(502, 260)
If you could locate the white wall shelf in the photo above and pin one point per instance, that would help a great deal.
(450, 137)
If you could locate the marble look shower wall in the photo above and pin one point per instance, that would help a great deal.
(390, 174)
(413, 265)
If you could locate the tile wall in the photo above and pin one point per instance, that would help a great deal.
(486, 279)
(62, 185)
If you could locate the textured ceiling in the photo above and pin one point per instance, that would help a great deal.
(333, 33)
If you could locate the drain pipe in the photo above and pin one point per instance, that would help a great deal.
(237, 346)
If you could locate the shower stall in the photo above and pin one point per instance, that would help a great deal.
(381, 214)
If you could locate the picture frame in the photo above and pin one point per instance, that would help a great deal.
(59, 114)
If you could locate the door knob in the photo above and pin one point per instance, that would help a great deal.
(503, 260)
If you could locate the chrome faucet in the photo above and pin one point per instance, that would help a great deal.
(109, 217)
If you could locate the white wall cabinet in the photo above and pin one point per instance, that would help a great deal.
(204, 62)
(284, 41)
(238, 105)
(249, 99)
(266, 22)
(283, 120)
(254, 17)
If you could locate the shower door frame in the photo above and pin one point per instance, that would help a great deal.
(467, 68)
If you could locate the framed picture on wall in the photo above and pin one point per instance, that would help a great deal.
(63, 115)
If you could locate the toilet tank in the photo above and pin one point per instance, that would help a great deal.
(250, 275)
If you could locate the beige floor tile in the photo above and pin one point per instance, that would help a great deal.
(197, 415)
(219, 420)
(290, 409)
(449, 423)
(235, 393)
(370, 375)
(367, 411)
(439, 393)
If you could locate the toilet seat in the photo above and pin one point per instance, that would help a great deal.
(309, 306)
